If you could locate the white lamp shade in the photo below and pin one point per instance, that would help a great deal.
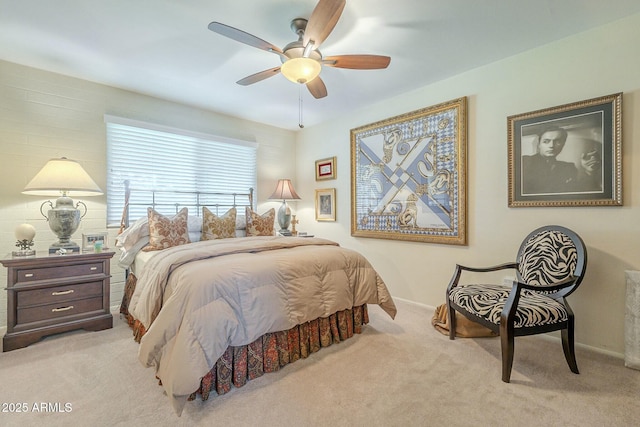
(62, 176)
(284, 191)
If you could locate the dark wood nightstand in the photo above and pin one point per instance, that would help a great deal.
(48, 294)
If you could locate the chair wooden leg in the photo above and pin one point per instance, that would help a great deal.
(568, 340)
(568, 347)
(506, 343)
(451, 314)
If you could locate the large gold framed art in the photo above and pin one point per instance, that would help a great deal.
(408, 176)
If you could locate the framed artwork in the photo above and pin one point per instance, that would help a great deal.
(408, 176)
(326, 204)
(326, 169)
(89, 242)
(568, 155)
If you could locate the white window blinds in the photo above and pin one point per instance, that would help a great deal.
(152, 157)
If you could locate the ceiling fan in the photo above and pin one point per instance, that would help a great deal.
(301, 59)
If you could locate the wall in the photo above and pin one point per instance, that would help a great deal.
(588, 65)
(45, 115)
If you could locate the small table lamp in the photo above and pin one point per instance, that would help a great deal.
(63, 177)
(284, 191)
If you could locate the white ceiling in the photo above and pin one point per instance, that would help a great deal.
(163, 48)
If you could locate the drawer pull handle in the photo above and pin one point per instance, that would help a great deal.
(57, 293)
(94, 268)
(54, 310)
(28, 275)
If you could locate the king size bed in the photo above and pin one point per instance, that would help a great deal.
(225, 306)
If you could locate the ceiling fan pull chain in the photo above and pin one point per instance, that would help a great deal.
(300, 106)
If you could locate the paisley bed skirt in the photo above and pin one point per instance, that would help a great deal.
(268, 353)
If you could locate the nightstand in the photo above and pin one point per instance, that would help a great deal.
(49, 294)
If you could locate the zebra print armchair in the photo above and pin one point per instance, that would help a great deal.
(550, 265)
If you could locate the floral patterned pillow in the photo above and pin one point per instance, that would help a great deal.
(165, 232)
(260, 225)
(218, 227)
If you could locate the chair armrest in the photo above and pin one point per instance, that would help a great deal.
(460, 268)
(488, 269)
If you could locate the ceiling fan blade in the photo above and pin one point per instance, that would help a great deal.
(255, 78)
(243, 37)
(323, 18)
(317, 88)
(357, 62)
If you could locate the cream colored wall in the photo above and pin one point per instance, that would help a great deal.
(600, 62)
(45, 115)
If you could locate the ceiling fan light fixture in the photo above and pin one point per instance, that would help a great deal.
(301, 70)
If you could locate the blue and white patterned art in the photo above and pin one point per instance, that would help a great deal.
(408, 176)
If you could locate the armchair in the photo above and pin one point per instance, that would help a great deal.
(550, 265)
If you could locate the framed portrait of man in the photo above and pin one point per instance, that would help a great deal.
(568, 155)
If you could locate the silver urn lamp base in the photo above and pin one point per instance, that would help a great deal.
(64, 220)
(284, 219)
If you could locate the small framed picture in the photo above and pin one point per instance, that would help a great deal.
(95, 242)
(326, 204)
(569, 155)
(326, 169)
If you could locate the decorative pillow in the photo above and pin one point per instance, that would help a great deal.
(218, 227)
(132, 235)
(260, 225)
(165, 232)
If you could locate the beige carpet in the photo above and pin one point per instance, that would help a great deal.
(397, 373)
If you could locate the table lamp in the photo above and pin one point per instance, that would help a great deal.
(284, 191)
(63, 177)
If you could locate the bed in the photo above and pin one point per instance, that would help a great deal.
(215, 311)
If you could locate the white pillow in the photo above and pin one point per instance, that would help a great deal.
(132, 234)
(128, 256)
(241, 222)
(194, 224)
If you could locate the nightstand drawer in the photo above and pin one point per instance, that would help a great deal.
(54, 311)
(58, 294)
(44, 273)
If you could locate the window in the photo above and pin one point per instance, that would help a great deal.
(153, 157)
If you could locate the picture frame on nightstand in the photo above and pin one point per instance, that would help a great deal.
(89, 241)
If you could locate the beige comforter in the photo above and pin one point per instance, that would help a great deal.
(196, 300)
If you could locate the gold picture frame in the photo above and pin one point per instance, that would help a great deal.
(569, 155)
(326, 169)
(326, 204)
(409, 176)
